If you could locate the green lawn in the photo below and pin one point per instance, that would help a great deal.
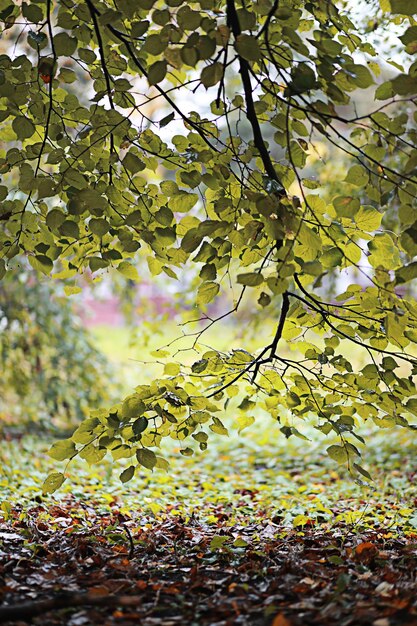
(292, 479)
(257, 473)
(133, 351)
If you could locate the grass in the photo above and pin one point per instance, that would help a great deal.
(245, 478)
(132, 351)
(255, 474)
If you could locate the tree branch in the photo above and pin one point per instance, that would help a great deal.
(233, 23)
(121, 37)
(271, 348)
(316, 306)
(26, 610)
(269, 17)
(107, 77)
(278, 334)
(50, 106)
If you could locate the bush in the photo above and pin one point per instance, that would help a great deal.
(51, 370)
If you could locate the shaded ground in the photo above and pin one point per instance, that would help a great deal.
(192, 573)
(259, 531)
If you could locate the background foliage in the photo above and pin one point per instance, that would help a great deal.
(190, 142)
(51, 372)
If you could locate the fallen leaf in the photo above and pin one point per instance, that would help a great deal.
(366, 545)
(281, 620)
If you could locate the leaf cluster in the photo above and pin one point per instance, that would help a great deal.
(132, 160)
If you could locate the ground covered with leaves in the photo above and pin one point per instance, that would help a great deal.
(257, 531)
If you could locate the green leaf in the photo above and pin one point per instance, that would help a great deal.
(303, 78)
(36, 39)
(201, 437)
(199, 366)
(309, 243)
(69, 228)
(41, 263)
(192, 179)
(332, 258)
(157, 72)
(187, 451)
(64, 45)
(71, 290)
(346, 206)
(87, 55)
(85, 433)
(218, 427)
(92, 453)
(384, 91)
(55, 218)
(32, 13)
(191, 240)
(23, 127)
(409, 239)
(404, 85)
(121, 84)
(359, 74)
(62, 450)
(218, 541)
(409, 39)
(172, 369)
(132, 407)
(385, 6)
(208, 272)
(140, 425)
(357, 175)
(162, 464)
(244, 422)
(264, 299)
(250, 279)
(53, 482)
(212, 74)
(166, 120)
(338, 453)
(128, 270)
(405, 7)
(127, 474)
(146, 458)
(155, 266)
(362, 471)
(97, 263)
(207, 292)
(300, 520)
(99, 226)
(247, 47)
(240, 543)
(6, 509)
(383, 252)
(183, 202)
(133, 163)
(189, 55)
(68, 76)
(368, 219)
(406, 273)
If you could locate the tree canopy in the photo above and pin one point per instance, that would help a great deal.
(183, 135)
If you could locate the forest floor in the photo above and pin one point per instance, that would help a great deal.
(258, 530)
